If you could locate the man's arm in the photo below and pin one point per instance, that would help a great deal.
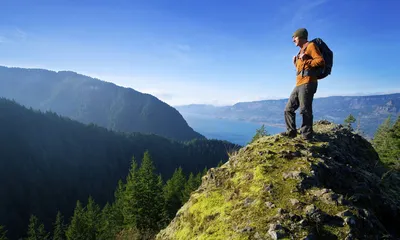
(316, 57)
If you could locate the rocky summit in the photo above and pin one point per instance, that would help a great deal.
(332, 187)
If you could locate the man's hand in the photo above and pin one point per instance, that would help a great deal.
(304, 57)
(294, 60)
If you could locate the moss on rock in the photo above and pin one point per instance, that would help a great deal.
(279, 188)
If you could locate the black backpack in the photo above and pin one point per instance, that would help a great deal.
(327, 54)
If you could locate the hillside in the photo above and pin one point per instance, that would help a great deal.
(47, 162)
(281, 188)
(90, 100)
(371, 111)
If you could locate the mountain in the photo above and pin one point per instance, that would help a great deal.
(279, 188)
(370, 111)
(48, 162)
(90, 100)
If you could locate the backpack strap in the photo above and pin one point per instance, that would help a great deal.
(304, 48)
(302, 51)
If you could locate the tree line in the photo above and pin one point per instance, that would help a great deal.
(143, 204)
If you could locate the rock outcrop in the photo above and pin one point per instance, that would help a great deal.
(333, 187)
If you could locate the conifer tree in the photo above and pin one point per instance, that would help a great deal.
(116, 208)
(190, 186)
(350, 120)
(384, 143)
(59, 227)
(77, 227)
(260, 132)
(91, 218)
(395, 136)
(173, 192)
(160, 204)
(3, 233)
(129, 200)
(42, 233)
(119, 192)
(396, 132)
(36, 230)
(107, 226)
(32, 228)
(150, 196)
(205, 170)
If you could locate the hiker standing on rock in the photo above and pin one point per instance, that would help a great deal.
(310, 66)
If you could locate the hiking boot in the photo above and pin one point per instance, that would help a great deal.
(288, 134)
(307, 137)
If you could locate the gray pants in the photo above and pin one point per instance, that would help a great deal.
(302, 96)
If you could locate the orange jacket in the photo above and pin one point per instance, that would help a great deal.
(312, 59)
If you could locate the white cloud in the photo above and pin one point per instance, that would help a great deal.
(305, 9)
(20, 34)
(183, 47)
(12, 35)
(181, 53)
(299, 13)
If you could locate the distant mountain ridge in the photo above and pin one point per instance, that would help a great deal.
(371, 111)
(90, 100)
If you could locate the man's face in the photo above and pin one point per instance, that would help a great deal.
(296, 41)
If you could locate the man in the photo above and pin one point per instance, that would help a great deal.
(306, 61)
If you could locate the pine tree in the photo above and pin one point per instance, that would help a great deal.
(77, 227)
(117, 207)
(91, 218)
(160, 202)
(150, 197)
(59, 227)
(173, 192)
(395, 136)
(107, 226)
(129, 200)
(42, 233)
(119, 193)
(190, 186)
(205, 170)
(349, 120)
(396, 129)
(32, 228)
(199, 176)
(383, 142)
(3, 233)
(36, 230)
(260, 132)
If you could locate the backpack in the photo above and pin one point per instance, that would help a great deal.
(327, 54)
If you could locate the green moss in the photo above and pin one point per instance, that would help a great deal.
(183, 233)
(210, 213)
(236, 178)
(261, 172)
(331, 209)
(225, 211)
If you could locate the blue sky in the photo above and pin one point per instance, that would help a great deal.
(205, 51)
